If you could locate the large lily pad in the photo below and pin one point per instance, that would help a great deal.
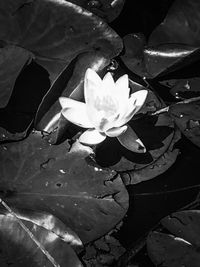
(12, 60)
(55, 31)
(19, 249)
(182, 249)
(36, 175)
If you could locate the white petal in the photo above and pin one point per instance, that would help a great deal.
(108, 83)
(133, 105)
(91, 137)
(130, 140)
(114, 132)
(92, 86)
(122, 87)
(78, 115)
(67, 102)
(138, 98)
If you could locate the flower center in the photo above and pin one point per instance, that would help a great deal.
(106, 104)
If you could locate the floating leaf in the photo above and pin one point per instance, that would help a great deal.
(184, 88)
(55, 31)
(186, 115)
(170, 251)
(172, 45)
(12, 60)
(156, 60)
(19, 249)
(181, 249)
(158, 135)
(50, 223)
(184, 224)
(181, 25)
(155, 168)
(36, 175)
(106, 9)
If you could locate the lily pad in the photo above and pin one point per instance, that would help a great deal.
(152, 61)
(55, 31)
(36, 175)
(172, 45)
(106, 9)
(184, 88)
(12, 60)
(158, 135)
(181, 25)
(186, 115)
(182, 249)
(170, 251)
(18, 248)
(48, 222)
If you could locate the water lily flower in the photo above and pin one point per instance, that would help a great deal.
(107, 109)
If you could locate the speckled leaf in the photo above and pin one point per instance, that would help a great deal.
(12, 60)
(55, 31)
(19, 249)
(186, 115)
(170, 251)
(36, 175)
(183, 88)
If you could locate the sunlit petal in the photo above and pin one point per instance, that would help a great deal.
(116, 131)
(78, 116)
(108, 83)
(137, 99)
(67, 102)
(92, 86)
(91, 137)
(130, 140)
(133, 105)
(122, 87)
